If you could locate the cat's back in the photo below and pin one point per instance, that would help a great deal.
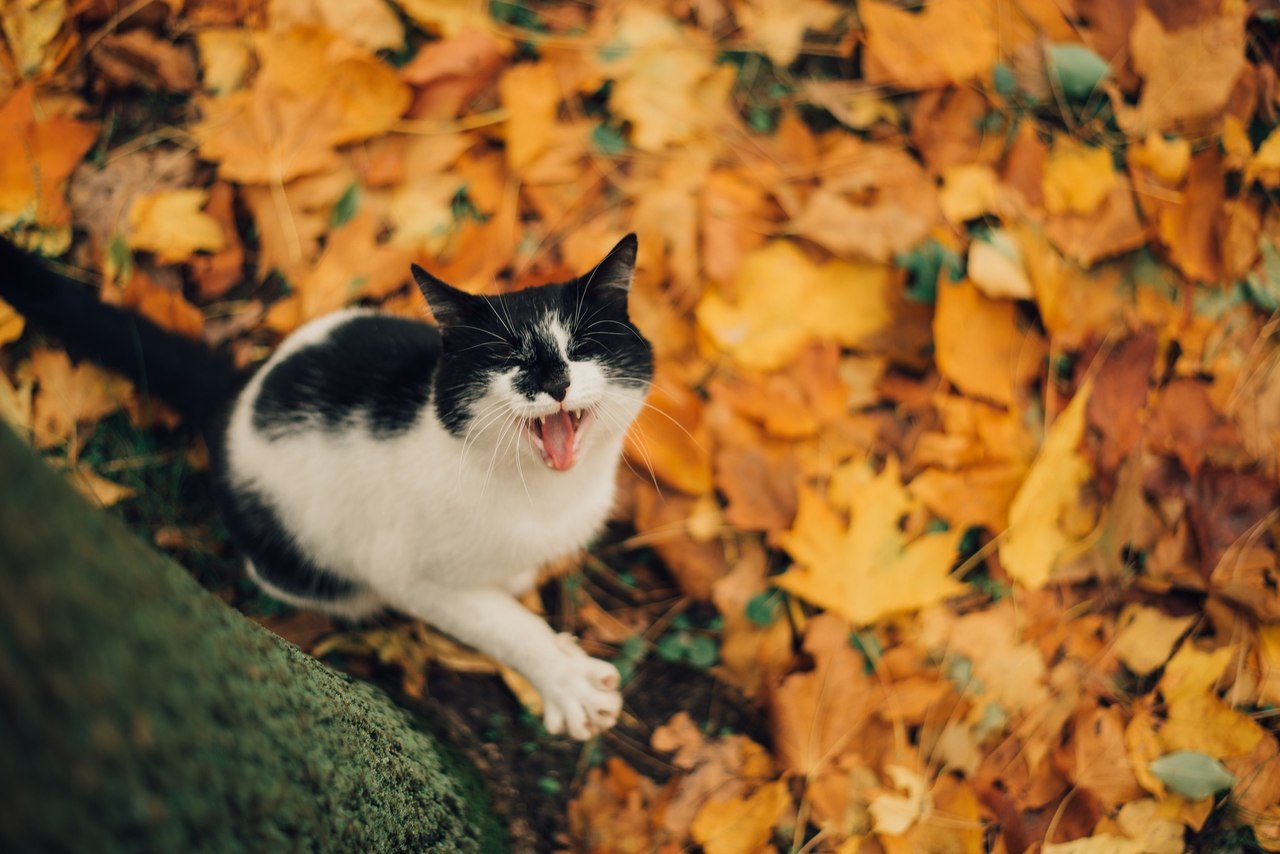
(352, 367)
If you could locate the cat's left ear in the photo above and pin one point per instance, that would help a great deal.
(612, 276)
(447, 302)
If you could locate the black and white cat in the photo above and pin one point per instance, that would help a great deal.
(375, 461)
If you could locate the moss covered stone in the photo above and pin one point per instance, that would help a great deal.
(140, 713)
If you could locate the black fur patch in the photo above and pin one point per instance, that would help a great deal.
(374, 368)
(259, 535)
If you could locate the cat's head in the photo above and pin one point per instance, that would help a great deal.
(546, 372)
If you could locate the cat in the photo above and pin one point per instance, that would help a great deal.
(377, 462)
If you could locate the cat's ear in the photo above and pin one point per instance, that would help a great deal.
(613, 275)
(447, 302)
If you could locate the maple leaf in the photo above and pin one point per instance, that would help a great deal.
(69, 397)
(171, 224)
(866, 569)
(315, 91)
(778, 26)
(36, 158)
(665, 79)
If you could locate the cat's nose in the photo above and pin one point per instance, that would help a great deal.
(557, 387)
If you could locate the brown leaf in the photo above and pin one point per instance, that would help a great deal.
(140, 58)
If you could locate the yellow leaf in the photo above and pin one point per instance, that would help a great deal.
(1264, 165)
(171, 224)
(98, 489)
(530, 94)
(369, 23)
(1036, 539)
(997, 270)
(1167, 159)
(69, 396)
(948, 41)
(446, 17)
(1147, 637)
(865, 569)
(1077, 178)
(778, 26)
(11, 324)
(782, 301)
(968, 191)
(1006, 357)
(226, 57)
(1197, 719)
(740, 826)
(665, 79)
(30, 28)
(894, 814)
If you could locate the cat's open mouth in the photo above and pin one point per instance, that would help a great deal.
(557, 437)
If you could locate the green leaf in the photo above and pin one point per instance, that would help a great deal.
(762, 610)
(1075, 69)
(1002, 79)
(672, 647)
(702, 652)
(121, 257)
(925, 263)
(608, 140)
(1192, 774)
(346, 206)
(1263, 284)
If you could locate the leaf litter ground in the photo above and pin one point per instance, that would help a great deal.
(952, 526)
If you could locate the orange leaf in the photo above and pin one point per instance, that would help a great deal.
(36, 158)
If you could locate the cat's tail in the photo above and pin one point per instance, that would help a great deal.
(185, 373)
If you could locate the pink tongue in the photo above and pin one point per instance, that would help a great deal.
(557, 439)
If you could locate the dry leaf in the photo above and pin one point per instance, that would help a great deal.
(1040, 533)
(171, 224)
(866, 569)
(781, 300)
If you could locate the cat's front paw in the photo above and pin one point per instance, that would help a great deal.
(583, 697)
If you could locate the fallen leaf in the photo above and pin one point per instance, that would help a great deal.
(36, 158)
(171, 224)
(163, 306)
(530, 93)
(372, 24)
(732, 825)
(1148, 637)
(948, 41)
(1037, 538)
(140, 58)
(762, 325)
(778, 26)
(69, 398)
(99, 490)
(1009, 357)
(11, 324)
(1187, 73)
(865, 568)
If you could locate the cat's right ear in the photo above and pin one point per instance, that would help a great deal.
(447, 302)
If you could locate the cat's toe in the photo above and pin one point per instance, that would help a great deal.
(584, 701)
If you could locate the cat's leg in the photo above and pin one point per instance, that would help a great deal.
(580, 694)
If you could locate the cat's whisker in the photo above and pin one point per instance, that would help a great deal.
(492, 414)
(640, 446)
(647, 405)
